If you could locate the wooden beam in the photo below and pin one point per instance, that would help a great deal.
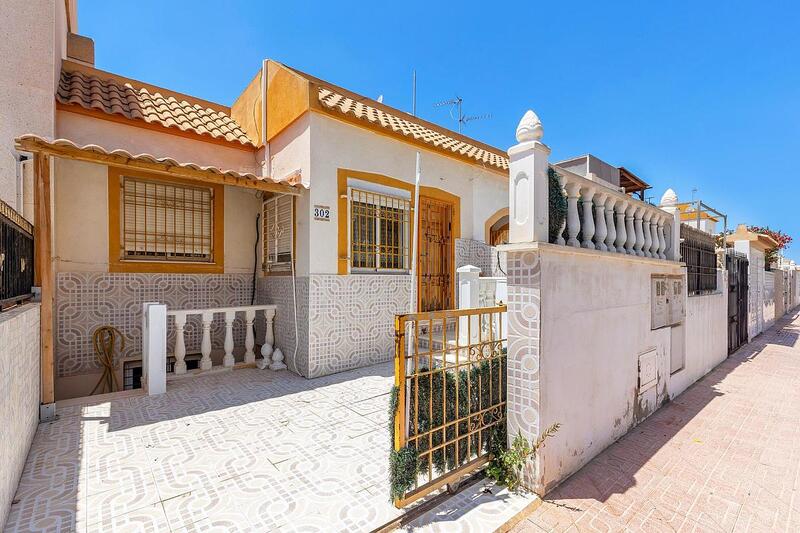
(43, 254)
(164, 169)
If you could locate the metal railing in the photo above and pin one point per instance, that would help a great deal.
(450, 374)
(698, 251)
(16, 257)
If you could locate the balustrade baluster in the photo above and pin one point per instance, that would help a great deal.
(573, 220)
(630, 230)
(662, 241)
(637, 223)
(588, 218)
(622, 235)
(179, 352)
(250, 338)
(269, 336)
(611, 230)
(648, 237)
(205, 344)
(654, 236)
(228, 360)
(601, 231)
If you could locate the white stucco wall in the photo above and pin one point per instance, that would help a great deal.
(706, 336)
(336, 144)
(81, 220)
(595, 323)
(32, 45)
(19, 399)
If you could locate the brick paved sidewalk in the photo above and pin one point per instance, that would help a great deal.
(722, 456)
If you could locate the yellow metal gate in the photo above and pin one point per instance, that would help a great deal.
(450, 374)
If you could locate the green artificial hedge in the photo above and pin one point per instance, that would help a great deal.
(405, 464)
(558, 204)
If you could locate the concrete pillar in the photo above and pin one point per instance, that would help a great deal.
(154, 348)
(528, 198)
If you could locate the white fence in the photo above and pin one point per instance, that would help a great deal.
(154, 340)
(612, 221)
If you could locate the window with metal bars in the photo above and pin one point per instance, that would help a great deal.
(278, 228)
(166, 221)
(698, 251)
(379, 231)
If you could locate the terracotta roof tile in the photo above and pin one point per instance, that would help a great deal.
(138, 103)
(344, 104)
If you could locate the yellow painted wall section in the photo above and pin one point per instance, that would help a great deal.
(287, 97)
(247, 110)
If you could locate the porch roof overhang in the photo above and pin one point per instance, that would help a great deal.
(166, 166)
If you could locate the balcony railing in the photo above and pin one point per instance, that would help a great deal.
(16, 257)
(603, 218)
(154, 349)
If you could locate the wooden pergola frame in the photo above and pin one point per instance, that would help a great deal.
(44, 277)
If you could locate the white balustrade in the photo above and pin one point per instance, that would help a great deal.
(612, 220)
(606, 218)
(207, 316)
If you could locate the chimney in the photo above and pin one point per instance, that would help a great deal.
(80, 49)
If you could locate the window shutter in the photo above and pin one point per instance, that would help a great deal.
(278, 226)
(166, 221)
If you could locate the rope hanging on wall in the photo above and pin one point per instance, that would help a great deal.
(104, 339)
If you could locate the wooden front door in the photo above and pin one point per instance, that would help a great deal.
(435, 268)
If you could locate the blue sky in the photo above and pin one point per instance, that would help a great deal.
(686, 94)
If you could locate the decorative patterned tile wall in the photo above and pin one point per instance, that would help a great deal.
(277, 290)
(19, 395)
(88, 300)
(351, 320)
(481, 255)
(524, 306)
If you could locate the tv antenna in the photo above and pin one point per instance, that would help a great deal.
(462, 119)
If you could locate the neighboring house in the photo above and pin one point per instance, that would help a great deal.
(761, 297)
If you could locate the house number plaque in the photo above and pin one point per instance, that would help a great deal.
(322, 212)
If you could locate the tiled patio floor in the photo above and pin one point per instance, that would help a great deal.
(246, 450)
(722, 456)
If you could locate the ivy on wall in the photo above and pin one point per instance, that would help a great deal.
(557, 203)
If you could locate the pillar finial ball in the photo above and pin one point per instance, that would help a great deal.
(530, 128)
(669, 198)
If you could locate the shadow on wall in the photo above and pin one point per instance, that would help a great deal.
(614, 470)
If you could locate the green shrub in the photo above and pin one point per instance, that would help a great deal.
(557, 204)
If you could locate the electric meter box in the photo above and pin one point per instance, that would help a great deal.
(667, 301)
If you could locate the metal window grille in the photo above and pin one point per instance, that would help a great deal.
(278, 219)
(16, 257)
(379, 231)
(698, 251)
(166, 221)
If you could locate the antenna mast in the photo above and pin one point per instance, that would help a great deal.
(461, 118)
